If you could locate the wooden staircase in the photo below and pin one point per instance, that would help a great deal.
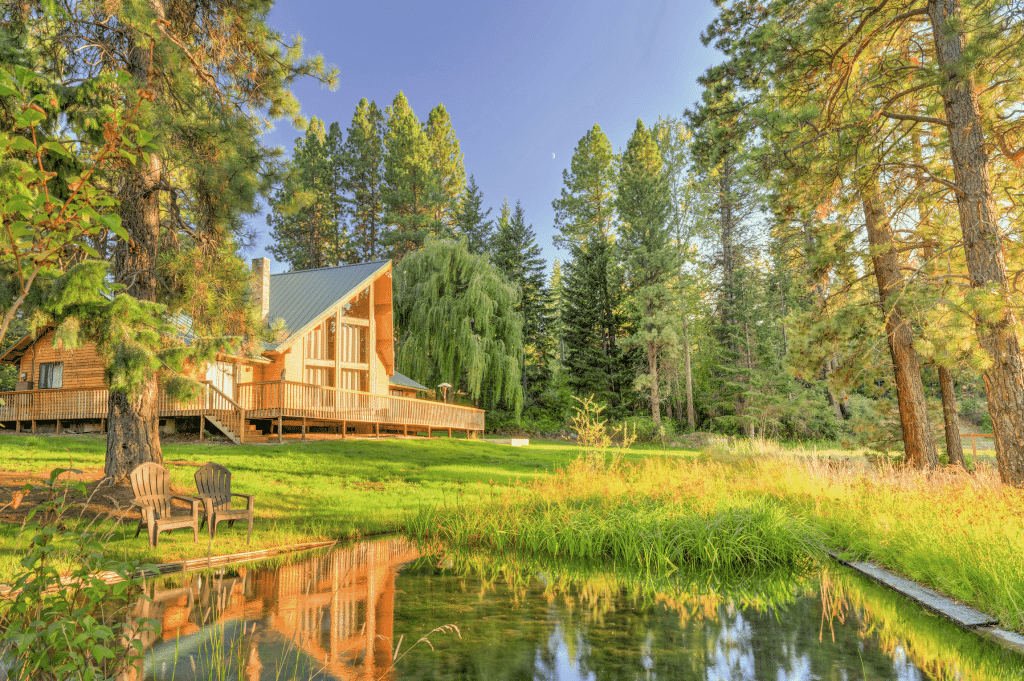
(224, 429)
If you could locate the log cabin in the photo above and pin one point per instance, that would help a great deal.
(331, 371)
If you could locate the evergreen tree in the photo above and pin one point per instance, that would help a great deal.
(456, 315)
(449, 171)
(515, 254)
(585, 218)
(651, 258)
(305, 214)
(473, 224)
(207, 78)
(412, 192)
(593, 324)
(362, 182)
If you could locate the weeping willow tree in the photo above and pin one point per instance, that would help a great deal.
(457, 324)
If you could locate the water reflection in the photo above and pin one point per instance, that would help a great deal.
(343, 614)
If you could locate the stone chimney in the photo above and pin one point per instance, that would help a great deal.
(261, 286)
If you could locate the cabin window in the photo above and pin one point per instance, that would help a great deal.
(397, 393)
(352, 379)
(359, 306)
(353, 344)
(51, 375)
(320, 376)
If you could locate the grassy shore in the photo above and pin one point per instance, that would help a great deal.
(962, 534)
(305, 491)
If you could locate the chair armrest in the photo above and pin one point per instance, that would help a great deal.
(208, 507)
(191, 500)
(249, 498)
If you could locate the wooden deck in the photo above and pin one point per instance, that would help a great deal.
(273, 404)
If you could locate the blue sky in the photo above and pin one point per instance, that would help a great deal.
(520, 81)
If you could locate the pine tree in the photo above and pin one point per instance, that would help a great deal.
(412, 192)
(585, 218)
(305, 214)
(208, 78)
(473, 224)
(362, 182)
(515, 254)
(651, 261)
(449, 171)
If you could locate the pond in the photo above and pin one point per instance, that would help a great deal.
(343, 614)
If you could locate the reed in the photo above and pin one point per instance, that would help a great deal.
(644, 536)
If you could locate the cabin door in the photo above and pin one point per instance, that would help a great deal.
(222, 376)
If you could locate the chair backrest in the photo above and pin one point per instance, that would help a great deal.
(214, 481)
(152, 487)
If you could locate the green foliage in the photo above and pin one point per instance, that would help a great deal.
(65, 624)
(412, 191)
(458, 324)
(305, 214)
(473, 224)
(362, 181)
(49, 218)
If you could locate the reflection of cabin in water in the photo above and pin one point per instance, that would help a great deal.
(337, 608)
(333, 372)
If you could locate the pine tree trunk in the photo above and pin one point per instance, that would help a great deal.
(951, 416)
(652, 367)
(133, 420)
(1004, 380)
(691, 418)
(918, 440)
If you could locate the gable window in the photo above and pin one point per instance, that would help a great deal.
(51, 375)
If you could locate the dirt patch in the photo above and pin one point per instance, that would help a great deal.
(100, 499)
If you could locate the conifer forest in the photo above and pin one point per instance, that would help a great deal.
(825, 246)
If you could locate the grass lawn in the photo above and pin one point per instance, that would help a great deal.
(304, 491)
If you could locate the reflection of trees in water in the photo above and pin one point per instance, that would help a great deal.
(522, 620)
(603, 625)
(913, 637)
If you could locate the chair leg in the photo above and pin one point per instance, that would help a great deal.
(248, 539)
(154, 536)
(195, 534)
(138, 529)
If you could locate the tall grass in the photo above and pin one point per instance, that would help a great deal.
(645, 535)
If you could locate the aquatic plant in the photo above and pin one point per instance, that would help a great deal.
(645, 535)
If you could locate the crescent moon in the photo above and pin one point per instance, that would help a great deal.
(552, 155)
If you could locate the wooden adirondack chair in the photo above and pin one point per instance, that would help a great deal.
(214, 484)
(152, 487)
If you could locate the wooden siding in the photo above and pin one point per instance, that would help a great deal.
(83, 367)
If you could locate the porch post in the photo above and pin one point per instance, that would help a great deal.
(33, 426)
(303, 428)
(344, 429)
(202, 426)
(428, 432)
(376, 429)
(449, 433)
(58, 426)
(17, 426)
(280, 429)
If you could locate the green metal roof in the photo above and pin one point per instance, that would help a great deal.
(405, 382)
(300, 297)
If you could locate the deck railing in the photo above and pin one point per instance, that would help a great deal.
(292, 399)
(255, 400)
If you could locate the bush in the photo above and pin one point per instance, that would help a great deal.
(75, 626)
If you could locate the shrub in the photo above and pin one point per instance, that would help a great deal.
(71, 627)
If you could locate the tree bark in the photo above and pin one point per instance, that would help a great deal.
(652, 367)
(1004, 379)
(918, 441)
(133, 425)
(691, 418)
(951, 416)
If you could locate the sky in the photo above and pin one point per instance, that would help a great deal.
(522, 81)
